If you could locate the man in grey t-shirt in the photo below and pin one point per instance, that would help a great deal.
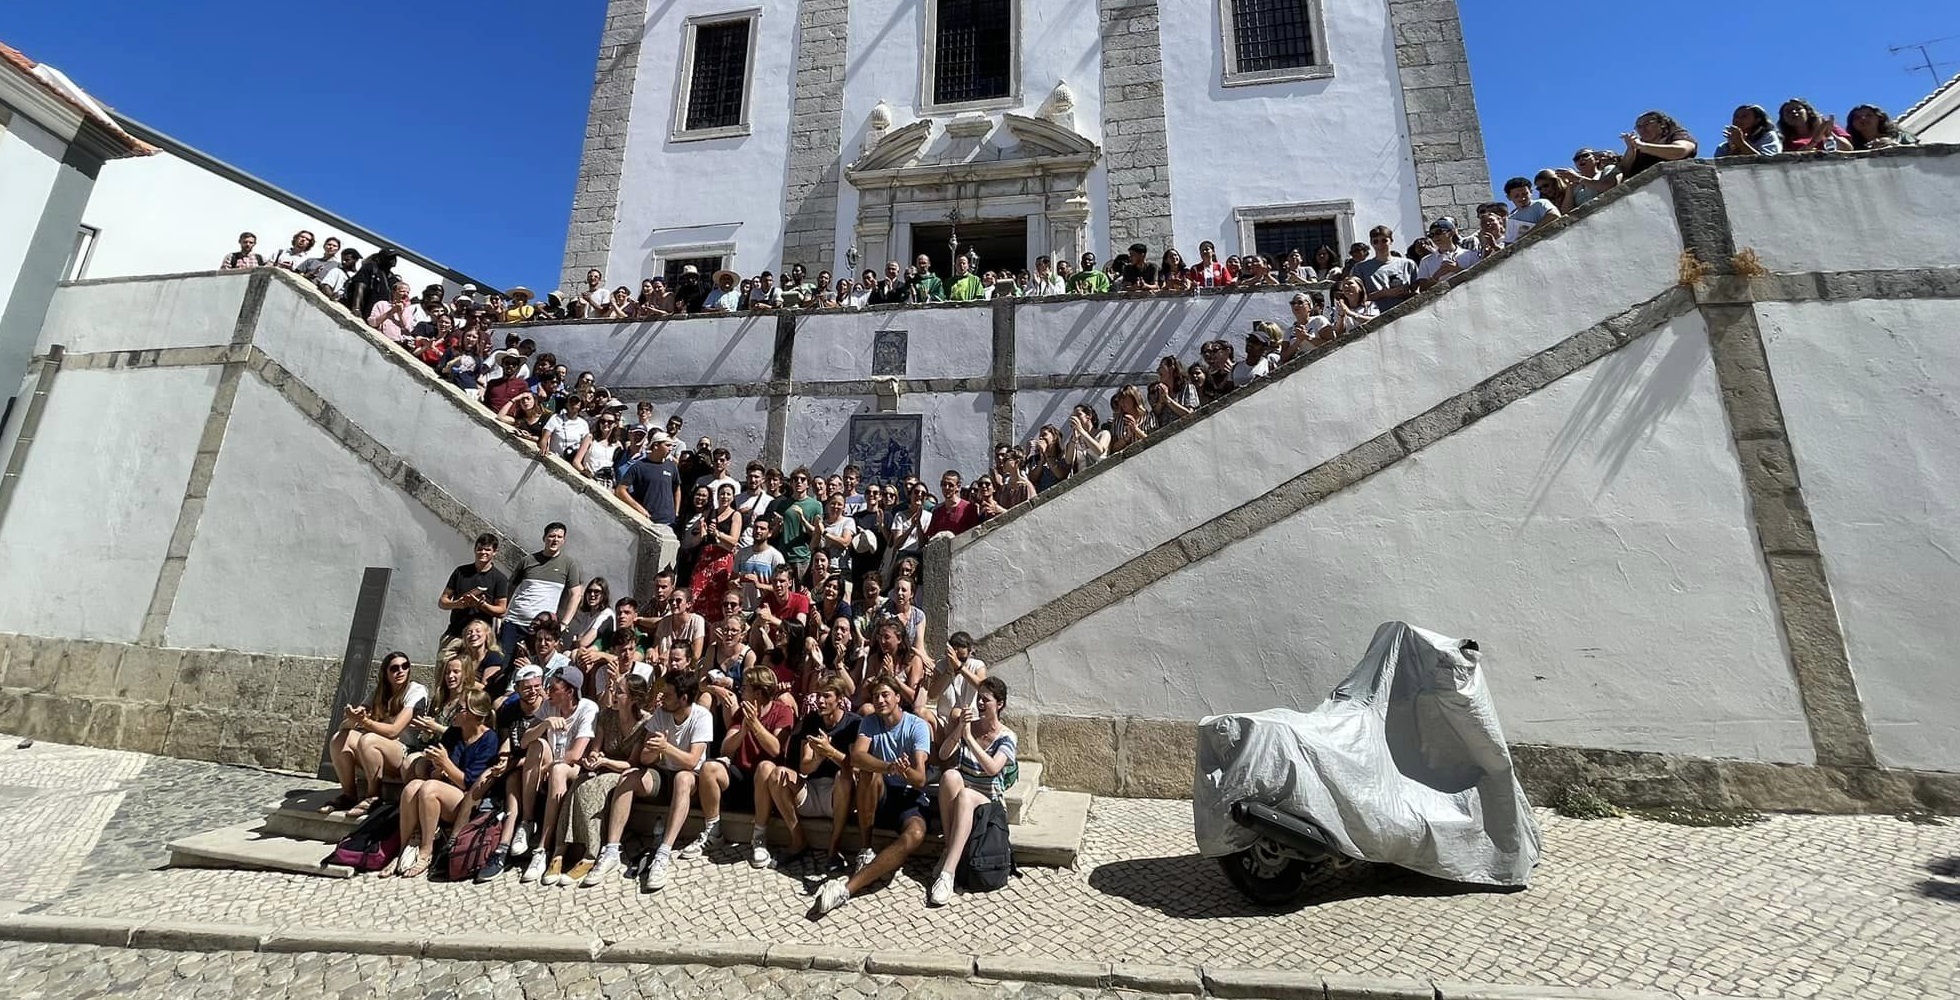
(1386, 278)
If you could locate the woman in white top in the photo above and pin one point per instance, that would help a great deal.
(601, 447)
(566, 433)
(680, 628)
(1350, 309)
(1088, 439)
(1129, 422)
(369, 742)
(593, 617)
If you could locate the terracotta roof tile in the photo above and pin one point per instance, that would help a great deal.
(19, 60)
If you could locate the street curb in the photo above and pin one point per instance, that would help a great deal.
(1206, 981)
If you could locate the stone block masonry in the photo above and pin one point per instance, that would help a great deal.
(816, 136)
(1133, 106)
(595, 202)
(203, 704)
(1441, 111)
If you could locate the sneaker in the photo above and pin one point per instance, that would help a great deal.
(654, 877)
(608, 863)
(835, 864)
(864, 858)
(534, 870)
(942, 890)
(709, 839)
(759, 853)
(577, 874)
(493, 867)
(830, 896)
(554, 873)
(520, 842)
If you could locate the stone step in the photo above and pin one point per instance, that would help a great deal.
(299, 816)
(250, 847)
(1020, 798)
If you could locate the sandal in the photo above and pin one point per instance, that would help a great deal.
(340, 802)
(361, 808)
(420, 869)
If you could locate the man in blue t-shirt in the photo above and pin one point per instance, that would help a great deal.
(652, 485)
(889, 757)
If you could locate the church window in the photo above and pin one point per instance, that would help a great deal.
(1273, 40)
(714, 85)
(971, 51)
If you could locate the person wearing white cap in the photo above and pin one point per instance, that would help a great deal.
(567, 735)
(622, 701)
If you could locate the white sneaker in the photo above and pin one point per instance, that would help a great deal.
(608, 863)
(942, 890)
(709, 839)
(654, 878)
(865, 857)
(759, 853)
(534, 870)
(830, 896)
(520, 842)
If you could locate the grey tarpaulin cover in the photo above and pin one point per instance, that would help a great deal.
(1403, 764)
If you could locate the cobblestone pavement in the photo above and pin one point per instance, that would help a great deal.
(75, 971)
(1793, 907)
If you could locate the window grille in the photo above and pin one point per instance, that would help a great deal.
(1271, 34)
(973, 55)
(707, 266)
(1276, 239)
(714, 94)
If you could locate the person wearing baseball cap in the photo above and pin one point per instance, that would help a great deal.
(1448, 259)
(553, 749)
(652, 485)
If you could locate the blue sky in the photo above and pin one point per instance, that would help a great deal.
(459, 133)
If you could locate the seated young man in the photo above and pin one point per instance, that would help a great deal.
(551, 763)
(519, 713)
(812, 781)
(669, 761)
(757, 730)
(890, 758)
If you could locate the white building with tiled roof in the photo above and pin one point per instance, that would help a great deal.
(1936, 118)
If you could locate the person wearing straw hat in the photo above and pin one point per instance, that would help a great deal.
(521, 308)
(727, 296)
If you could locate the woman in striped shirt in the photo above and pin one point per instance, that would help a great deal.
(986, 750)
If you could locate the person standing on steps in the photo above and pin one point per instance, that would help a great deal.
(547, 581)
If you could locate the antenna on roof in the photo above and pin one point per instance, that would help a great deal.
(1926, 59)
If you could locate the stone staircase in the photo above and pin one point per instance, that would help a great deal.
(1045, 824)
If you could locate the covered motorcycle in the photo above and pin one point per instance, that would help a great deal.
(1404, 764)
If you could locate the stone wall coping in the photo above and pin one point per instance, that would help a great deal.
(1206, 981)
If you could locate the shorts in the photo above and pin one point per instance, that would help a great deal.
(741, 784)
(663, 787)
(897, 805)
(813, 798)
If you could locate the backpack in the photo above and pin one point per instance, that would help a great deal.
(989, 859)
(472, 846)
(374, 843)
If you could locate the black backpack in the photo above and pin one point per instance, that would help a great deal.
(989, 859)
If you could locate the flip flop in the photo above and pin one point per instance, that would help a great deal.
(420, 869)
(339, 803)
(363, 807)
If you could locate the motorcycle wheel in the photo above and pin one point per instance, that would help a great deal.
(1266, 875)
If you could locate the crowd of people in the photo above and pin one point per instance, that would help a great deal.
(782, 665)
(785, 685)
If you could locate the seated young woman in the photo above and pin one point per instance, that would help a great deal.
(468, 764)
(368, 746)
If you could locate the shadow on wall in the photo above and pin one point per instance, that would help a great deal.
(1624, 406)
(641, 337)
(1192, 887)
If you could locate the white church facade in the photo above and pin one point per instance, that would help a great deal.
(752, 134)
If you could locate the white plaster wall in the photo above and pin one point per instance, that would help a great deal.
(425, 423)
(98, 500)
(736, 424)
(163, 214)
(709, 351)
(674, 194)
(1130, 335)
(954, 430)
(947, 342)
(290, 522)
(200, 311)
(1847, 214)
(30, 160)
(1871, 393)
(1624, 254)
(1059, 42)
(1334, 139)
(1594, 537)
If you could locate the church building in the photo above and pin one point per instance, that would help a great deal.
(840, 134)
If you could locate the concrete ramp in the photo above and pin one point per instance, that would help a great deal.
(1578, 455)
